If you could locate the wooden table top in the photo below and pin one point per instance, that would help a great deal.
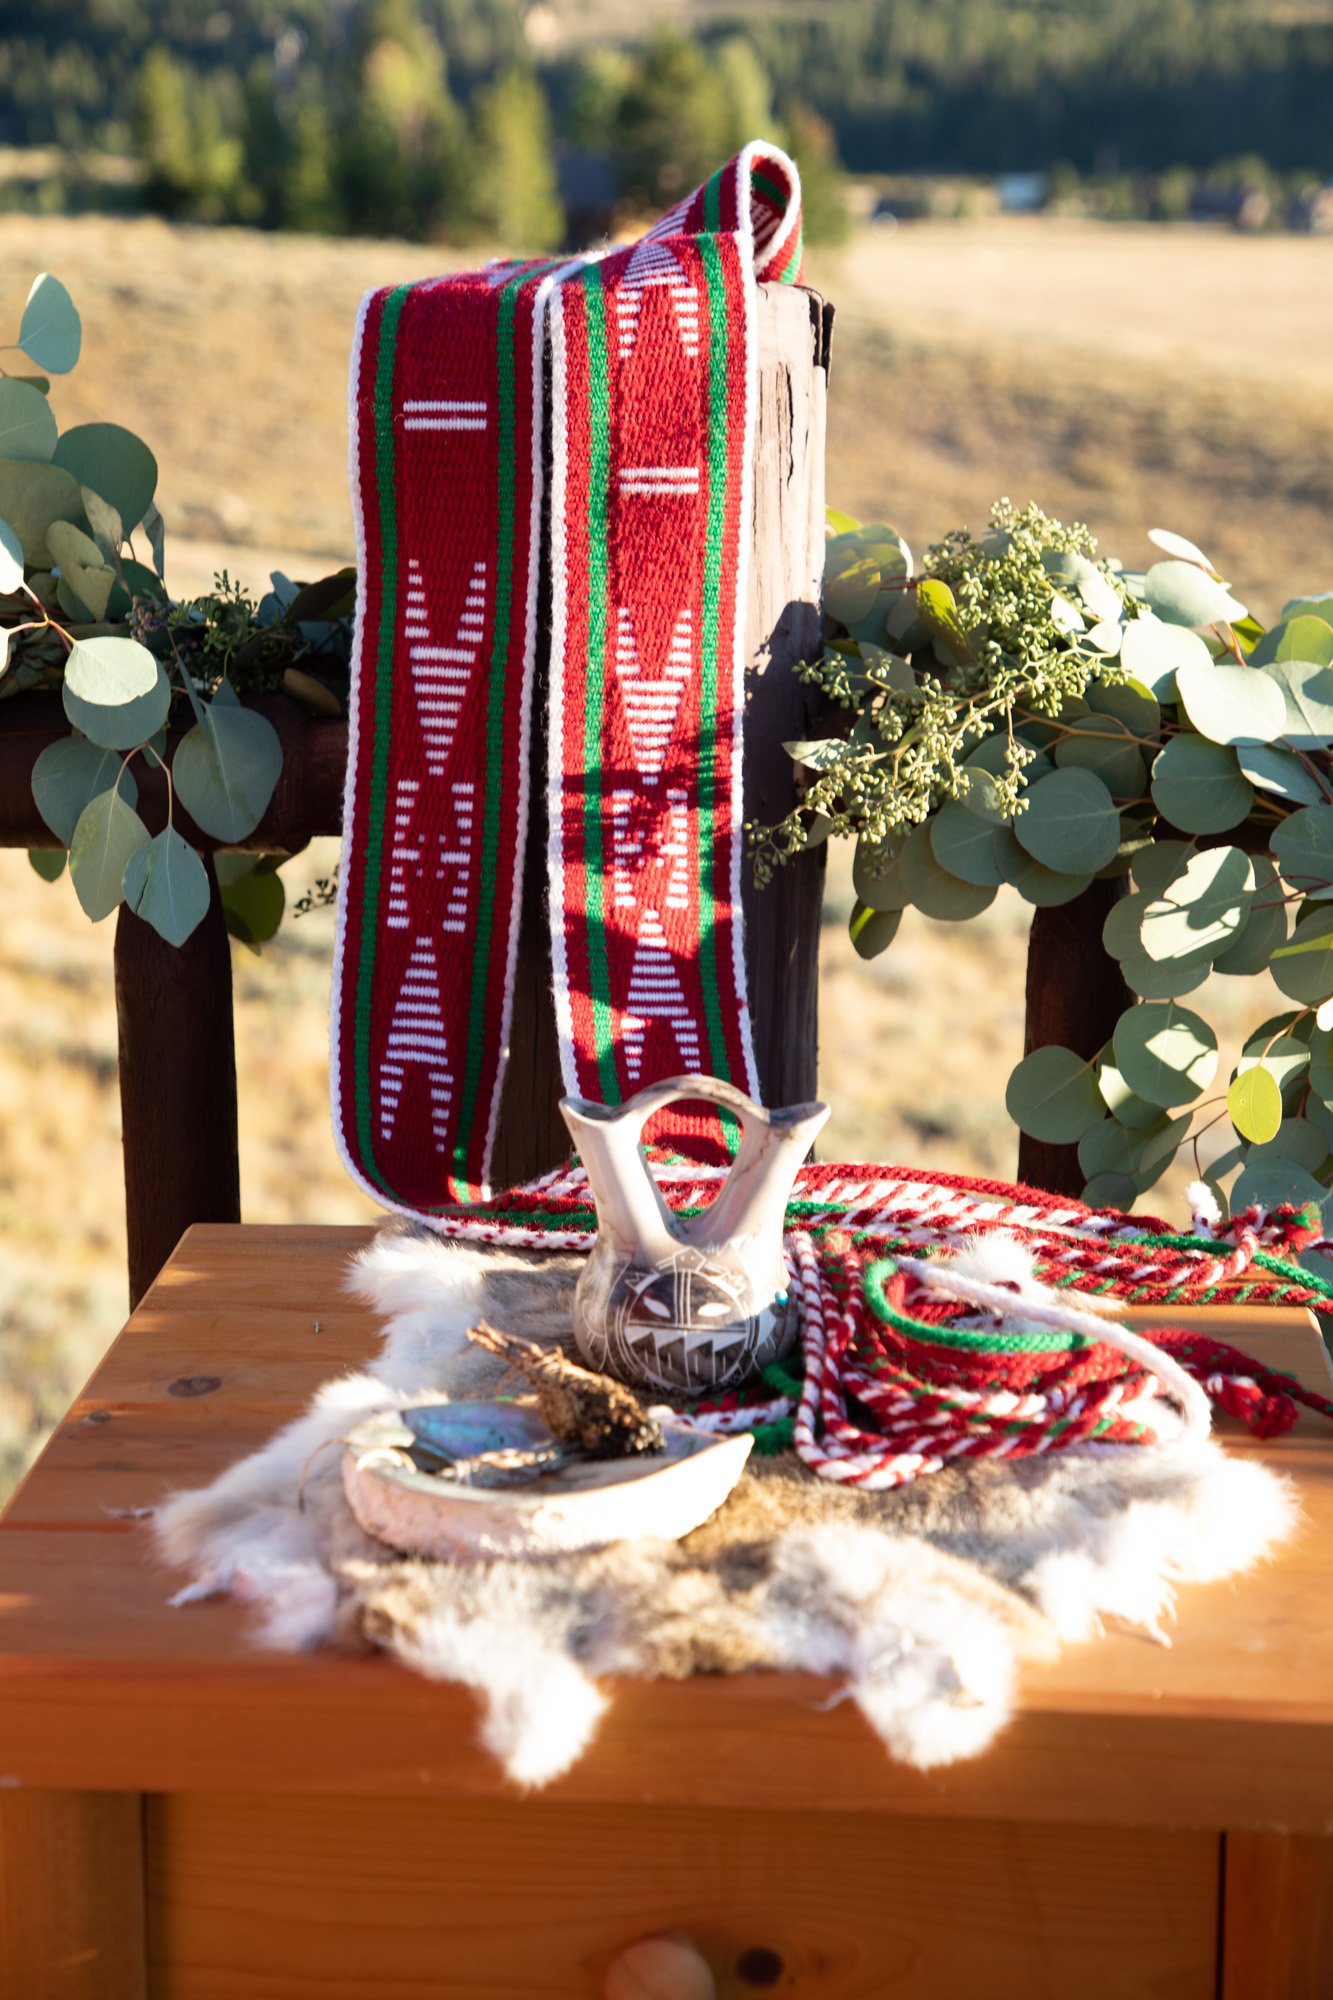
(102, 1685)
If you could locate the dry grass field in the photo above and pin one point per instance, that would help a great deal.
(1128, 376)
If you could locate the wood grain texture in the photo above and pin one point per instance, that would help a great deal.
(1075, 995)
(177, 1060)
(783, 625)
(1277, 1917)
(102, 1685)
(71, 1896)
(262, 1899)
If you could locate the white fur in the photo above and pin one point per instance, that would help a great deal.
(924, 1641)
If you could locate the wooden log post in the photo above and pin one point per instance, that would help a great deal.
(792, 332)
(1075, 995)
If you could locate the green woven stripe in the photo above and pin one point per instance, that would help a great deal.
(713, 201)
(705, 855)
(965, 1338)
(377, 797)
(495, 721)
(767, 185)
(599, 472)
(787, 276)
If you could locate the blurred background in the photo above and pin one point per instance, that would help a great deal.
(1082, 253)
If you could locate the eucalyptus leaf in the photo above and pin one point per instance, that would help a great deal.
(967, 845)
(1307, 692)
(106, 524)
(1109, 1148)
(1053, 1095)
(1321, 1065)
(1302, 968)
(825, 754)
(935, 892)
(1271, 1184)
(1102, 745)
(872, 931)
(27, 425)
(110, 671)
(1298, 1139)
(1182, 594)
(1164, 979)
(115, 463)
(1254, 1102)
(875, 875)
(32, 496)
(1264, 929)
(1166, 1054)
(1281, 772)
(1152, 652)
(1127, 702)
(1070, 822)
(166, 884)
(1123, 1103)
(1231, 704)
(120, 725)
(1306, 637)
(1176, 545)
(49, 332)
(1318, 605)
(1113, 1191)
(107, 834)
(253, 905)
(1204, 908)
(1045, 888)
(1198, 785)
(48, 862)
(1286, 1056)
(1303, 847)
(1156, 866)
(226, 768)
(70, 772)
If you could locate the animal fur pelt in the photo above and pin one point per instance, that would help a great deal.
(921, 1601)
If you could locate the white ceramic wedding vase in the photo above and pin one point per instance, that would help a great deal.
(687, 1305)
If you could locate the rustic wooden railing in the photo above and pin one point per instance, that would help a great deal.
(177, 1049)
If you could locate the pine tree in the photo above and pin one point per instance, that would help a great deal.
(513, 199)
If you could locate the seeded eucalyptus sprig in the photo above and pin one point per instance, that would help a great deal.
(1021, 712)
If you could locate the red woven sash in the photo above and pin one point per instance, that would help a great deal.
(652, 397)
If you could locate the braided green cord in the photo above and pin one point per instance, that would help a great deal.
(972, 1340)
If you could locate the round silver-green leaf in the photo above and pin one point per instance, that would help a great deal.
(1115, 1191)
(872, 931)
(1306, 637)
(166, 884)
(1280, 771)
(1303, 845)
(1070, 824)
(1272, 1183)
(1254, 1102)
(1198, 785)
(1307, 692)
(1122, 1102)
(1298, 1139)
(1203, 908)
(935, 892)
(11, 560)
(49, 332)
(1102, 745)
(1264, 929)
(226, 769)
(106, 836)
(1229, 704)
(1045, 888)
(967, 845)
(68, 773)
(1152, 652)
(1182, 594)
(1166, 1053)
(875, 875)
(27, 425)
(115, 463)
(1302, 968)
(1053, 1095)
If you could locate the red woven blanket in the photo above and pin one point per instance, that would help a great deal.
(639, 516)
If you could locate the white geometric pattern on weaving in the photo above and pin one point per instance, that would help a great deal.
(656, 995)
(651, 706)
(652, 266)
(417, 1039)
(452, 859)
(441, 675)
(444, 413)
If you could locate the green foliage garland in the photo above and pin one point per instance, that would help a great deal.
(80, 610)
(1019, 711)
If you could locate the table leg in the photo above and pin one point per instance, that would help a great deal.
(72, 1895)
(1277, 1917)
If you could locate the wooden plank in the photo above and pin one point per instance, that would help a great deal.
(1076, 993)
(1286, 1338)
(1277, 1917)
(177, 1064)
(72, 1896)
(261, 1899)
(782, 627)
(103, 1685)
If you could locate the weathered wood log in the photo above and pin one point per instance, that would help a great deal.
(177, 1085)
(308, 799)
(1075, 995)
(792, 330)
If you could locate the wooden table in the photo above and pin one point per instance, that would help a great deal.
(182, 1816)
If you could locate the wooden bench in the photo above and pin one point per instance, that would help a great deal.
(183, 1816)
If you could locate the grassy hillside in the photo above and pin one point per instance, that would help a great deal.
(967, 363)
